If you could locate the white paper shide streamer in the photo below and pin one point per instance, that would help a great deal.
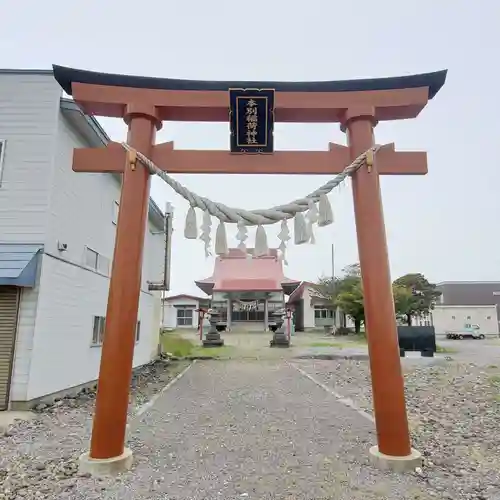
(206, 229)
(325, 216)
(284, 237)
(242, 235)
(191, 227)
(221, 240)
(312, 218)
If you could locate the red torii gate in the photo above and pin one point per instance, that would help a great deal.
(144, 103)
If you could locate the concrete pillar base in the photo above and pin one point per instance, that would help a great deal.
(395, 464)
(280, 339)
(106, 466)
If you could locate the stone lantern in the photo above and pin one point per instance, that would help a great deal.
(280, 338)
(213, 338)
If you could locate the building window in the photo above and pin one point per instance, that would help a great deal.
(91, 258)
(468, 317)
(251, 315)
(453, 317)
(184, 316)
(488, 317)
(103, 265)
(2, 156)
(323, 313)
(116, 207)
(96, 261)
(98, 330)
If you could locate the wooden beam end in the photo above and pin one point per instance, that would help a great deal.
(110, 159)
(332, 146)
(391, 162)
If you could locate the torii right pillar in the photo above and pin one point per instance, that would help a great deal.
(394, 449)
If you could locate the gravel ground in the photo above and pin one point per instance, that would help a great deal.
(259, 429)
(254, 430)
(453, 411)
(480, 352)
(38, 458)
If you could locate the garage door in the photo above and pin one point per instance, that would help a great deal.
(9, 301)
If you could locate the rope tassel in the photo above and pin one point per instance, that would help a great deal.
(261, 247)
(191, 226)
(221, 240)
(300, 233)
(325, 217)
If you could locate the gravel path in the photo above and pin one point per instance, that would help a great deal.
(261, 430)
(255, 430)
(38, 458)
(454, 412)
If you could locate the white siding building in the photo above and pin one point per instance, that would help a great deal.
(459, 318)
(179, 311)
(57, 232)
(313, 312)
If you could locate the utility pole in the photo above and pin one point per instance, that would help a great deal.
(164, 285)
(334, 286)
(169, 215)
(333, 263)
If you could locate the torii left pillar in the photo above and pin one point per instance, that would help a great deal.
(107, 452)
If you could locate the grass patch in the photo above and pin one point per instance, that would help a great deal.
(325, 344)
(341, 343)
(445, 350)
(214, 352)
(182, 347)
(358, 339)
(176, 345)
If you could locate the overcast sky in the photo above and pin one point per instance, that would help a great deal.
(445, 224)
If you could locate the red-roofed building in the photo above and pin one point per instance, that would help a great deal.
(246, 289)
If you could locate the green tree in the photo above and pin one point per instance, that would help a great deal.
(352, 271)
(415, 296)
(326, 288)
(344, 291)
(403, 301)
(350, 300)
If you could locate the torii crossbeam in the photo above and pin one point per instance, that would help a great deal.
(144, 103)
(112, 159)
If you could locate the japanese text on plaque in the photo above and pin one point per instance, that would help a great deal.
(251, 120)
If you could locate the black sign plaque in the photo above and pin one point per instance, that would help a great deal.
(251, 120)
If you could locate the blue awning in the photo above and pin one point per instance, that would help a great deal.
(19, 263)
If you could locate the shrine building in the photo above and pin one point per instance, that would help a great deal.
(246, 289)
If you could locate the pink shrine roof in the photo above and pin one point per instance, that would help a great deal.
(236, 272)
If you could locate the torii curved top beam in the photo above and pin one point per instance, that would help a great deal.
(67, 76)
(105, 94)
